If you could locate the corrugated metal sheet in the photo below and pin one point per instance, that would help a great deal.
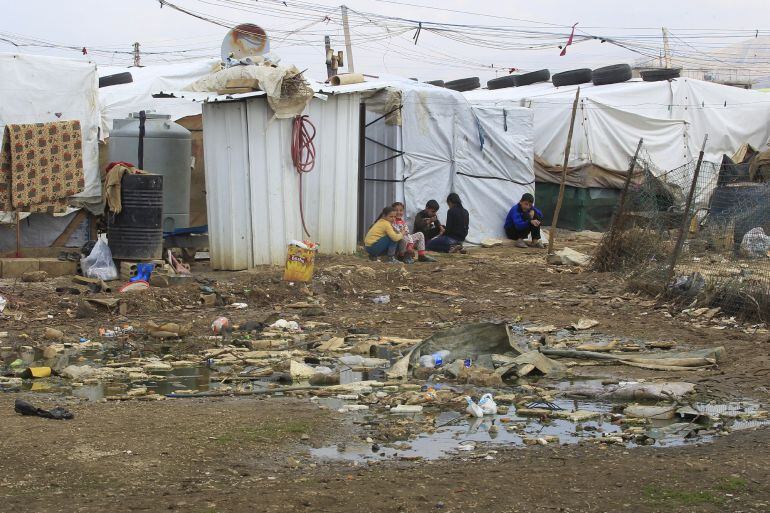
(271, 184)
(225, 147)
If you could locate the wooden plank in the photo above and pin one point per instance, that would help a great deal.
(62, 239)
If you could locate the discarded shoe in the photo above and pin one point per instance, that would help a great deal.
(426, 258)
(408, 260)
(520, 243)
(24, 408)
(537, 243)
(457, 248)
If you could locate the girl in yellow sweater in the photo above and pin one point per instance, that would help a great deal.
(382, 239)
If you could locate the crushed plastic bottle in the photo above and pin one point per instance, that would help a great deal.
(437, 359)
(382, 300)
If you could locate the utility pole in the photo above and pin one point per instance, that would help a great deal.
(348, 44)
(137, 57)
(666, 49)
(329, 53)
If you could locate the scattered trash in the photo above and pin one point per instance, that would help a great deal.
(220, 325)
(491, 243)
(135, 286)
(24, 408)
(3, 302)
(98, 264)
(585, 324)
(436, 359)
(300, 256)
(283, 324)
(473, 409)
(238, 306)
(488, 405)
(755, 244)
(382, 300)
(36, 372)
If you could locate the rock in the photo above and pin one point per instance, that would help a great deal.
(651, 412)
(78, 372)
(541, 329)
(406, 408)
(53, 334)
(136, 392)
(34, 276)
(599, 348)
(568, 256)
(53, 351)
(157, 366)
(577, 415)
(85, 310)
(300, 371)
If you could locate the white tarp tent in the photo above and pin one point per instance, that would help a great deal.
(672, 116)
(38, 89)
(483, 153)
(119, 101)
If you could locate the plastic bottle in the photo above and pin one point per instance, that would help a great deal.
(436, 359)
(352, 359)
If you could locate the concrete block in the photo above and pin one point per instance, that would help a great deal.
(15, 267)
(55, 267)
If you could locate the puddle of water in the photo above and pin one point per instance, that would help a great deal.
(457, 433)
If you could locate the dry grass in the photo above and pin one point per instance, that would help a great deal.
(626, 250)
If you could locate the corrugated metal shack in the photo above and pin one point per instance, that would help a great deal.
(252, 187)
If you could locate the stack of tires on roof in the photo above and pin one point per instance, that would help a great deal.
(601, 76)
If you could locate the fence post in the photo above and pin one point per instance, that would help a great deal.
(686, 218)
(555, 220)
(622, 202)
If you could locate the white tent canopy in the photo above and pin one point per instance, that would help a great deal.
(673, 117)
(484, 153)
(118, 101)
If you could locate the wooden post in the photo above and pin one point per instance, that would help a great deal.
(685, 219)
(18, 234)
(348, 44)
(624, 192)
(554, 222)
(329, 53)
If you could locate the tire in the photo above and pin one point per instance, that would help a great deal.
(437, 83)
(502, 82)
(611, 74)
(657, 75)
(541, 75)
(116, 79)
(572, 77)
(463, 84)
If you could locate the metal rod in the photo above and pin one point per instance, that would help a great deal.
(18, 234)
(375, 141)
(384, 115)
(555, 220)
(622, 203)
(385, 159)
(686, 217)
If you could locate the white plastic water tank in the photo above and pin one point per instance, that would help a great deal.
(167, 151)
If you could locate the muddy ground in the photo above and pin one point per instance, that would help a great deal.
(252, 454)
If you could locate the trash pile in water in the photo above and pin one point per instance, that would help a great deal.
(499, 383)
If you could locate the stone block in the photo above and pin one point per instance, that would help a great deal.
(15, 267)
(55, 267)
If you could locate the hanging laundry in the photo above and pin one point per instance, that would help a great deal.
(41, 165)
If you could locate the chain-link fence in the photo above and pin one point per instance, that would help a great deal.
(716, 254)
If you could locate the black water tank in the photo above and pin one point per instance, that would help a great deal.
(137, 232)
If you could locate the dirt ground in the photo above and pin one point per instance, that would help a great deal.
(252, 454)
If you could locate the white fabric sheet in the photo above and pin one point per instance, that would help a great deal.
(39, 89)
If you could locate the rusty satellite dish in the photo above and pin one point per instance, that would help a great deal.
(245, 40)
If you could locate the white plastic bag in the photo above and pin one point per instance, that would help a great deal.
(473, 409)
(99, 263)
(488, 405)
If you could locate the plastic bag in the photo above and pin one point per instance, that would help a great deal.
(99, 264)
(755, 243)
(473, 409)
(488, 405)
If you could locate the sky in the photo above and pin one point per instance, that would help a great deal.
(698, 28)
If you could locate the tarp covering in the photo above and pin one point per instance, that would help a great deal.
(483, 153)
(118, 101)
(38, 89)
(672, 116)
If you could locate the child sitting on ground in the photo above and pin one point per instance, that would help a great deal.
(382, 238)
(411, 241)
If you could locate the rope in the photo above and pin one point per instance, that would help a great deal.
(302, 154)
